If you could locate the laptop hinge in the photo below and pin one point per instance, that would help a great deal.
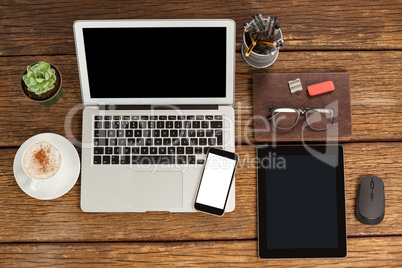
(158, 107)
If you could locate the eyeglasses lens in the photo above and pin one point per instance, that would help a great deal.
(284, 118)
(319, 119)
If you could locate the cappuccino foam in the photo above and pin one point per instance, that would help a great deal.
(41, 160)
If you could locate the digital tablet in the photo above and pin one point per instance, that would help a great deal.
(301, 202)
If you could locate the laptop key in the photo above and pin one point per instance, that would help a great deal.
(135, 150)
(199, 117)
(191, 133)
(202, 141)
(129, 133)
(108, 150)
(180, 150)
(153, 150)
(124, 124)
(101, 142)
(162, 117)
(172, 117)
(116, 124)
(169, 124)
(191, 159)
(146, 133)
(185, 142)
(216, 124)
(142, 124)
(156, 133)
(98, 150)
(209, 133)
(126, 117)
(113, 142)
(181, 117)
(219, 138)
(100, 133)
(126, 150)
(111, 133)
(209, 117)
(144, 150)
(116, 117)
(117, 150)
(189, 150)
(144, 117)
(162, 150)
(160, 124)
(106, 159)
(187, 124)
(115, 159)
(153, 117)
(165, 133)
(196, 124)
(218, 117)
(106, 124)
(158, 141)
(135, 117)
(153, 159)
(181, 159)
(182, 133)
(97, 160)
(200, 133)
(125, 159)
(107, 117)
(138, 133)
(190, 117)
(130, 142)
(193, 141)
(98, 124)
(212, 141)
(200, 161)
(167, 141)
(171, 150)
(198, 150)
(122, 142)
(98, 117)
(204, 124)
(120, 133)
(178, 124)
(134, 124)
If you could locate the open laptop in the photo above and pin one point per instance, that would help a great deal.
(157, 95)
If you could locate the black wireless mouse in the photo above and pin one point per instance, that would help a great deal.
(370, 205)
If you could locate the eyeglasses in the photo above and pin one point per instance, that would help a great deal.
(316, 118)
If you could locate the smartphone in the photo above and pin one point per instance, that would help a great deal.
(216, 179)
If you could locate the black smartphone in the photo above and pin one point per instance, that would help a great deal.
(216, 179)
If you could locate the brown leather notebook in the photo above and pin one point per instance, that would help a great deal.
(272, 90)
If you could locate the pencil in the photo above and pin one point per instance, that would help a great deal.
(253, 43)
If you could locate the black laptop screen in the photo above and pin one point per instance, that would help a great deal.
(156, 62)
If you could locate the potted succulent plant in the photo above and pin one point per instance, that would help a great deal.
(42, 83)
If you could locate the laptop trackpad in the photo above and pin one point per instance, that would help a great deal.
(158, 189)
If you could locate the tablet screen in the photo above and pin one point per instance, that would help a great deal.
(301, 203)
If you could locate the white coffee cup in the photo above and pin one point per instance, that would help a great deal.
(41, 162)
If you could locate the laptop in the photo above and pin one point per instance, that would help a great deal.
(157, 95)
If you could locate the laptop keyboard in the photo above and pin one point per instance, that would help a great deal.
(157, 139)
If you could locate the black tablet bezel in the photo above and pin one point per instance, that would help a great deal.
(263, 251)
(206, 208)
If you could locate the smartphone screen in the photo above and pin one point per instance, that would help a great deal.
(215, 182)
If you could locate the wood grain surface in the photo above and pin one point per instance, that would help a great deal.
(25, 219)
(360, 37)
(376, 95)
(362, 252)
(45, 27)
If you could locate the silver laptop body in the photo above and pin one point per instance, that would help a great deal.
(152, 109)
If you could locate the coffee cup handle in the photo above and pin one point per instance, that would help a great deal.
(35, 185)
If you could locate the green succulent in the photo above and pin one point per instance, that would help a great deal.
(40, 78)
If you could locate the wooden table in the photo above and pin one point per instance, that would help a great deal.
(363, 38)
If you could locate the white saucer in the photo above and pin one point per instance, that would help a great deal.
(66, 177)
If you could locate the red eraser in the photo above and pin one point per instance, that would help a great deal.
(321, 88)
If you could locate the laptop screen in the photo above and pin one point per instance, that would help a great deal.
(165, 62)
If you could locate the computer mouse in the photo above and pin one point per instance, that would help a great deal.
(370, 205)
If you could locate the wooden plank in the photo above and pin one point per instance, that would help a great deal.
(45, 27)
(25, 219)
(376, 94)
(362, 252)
